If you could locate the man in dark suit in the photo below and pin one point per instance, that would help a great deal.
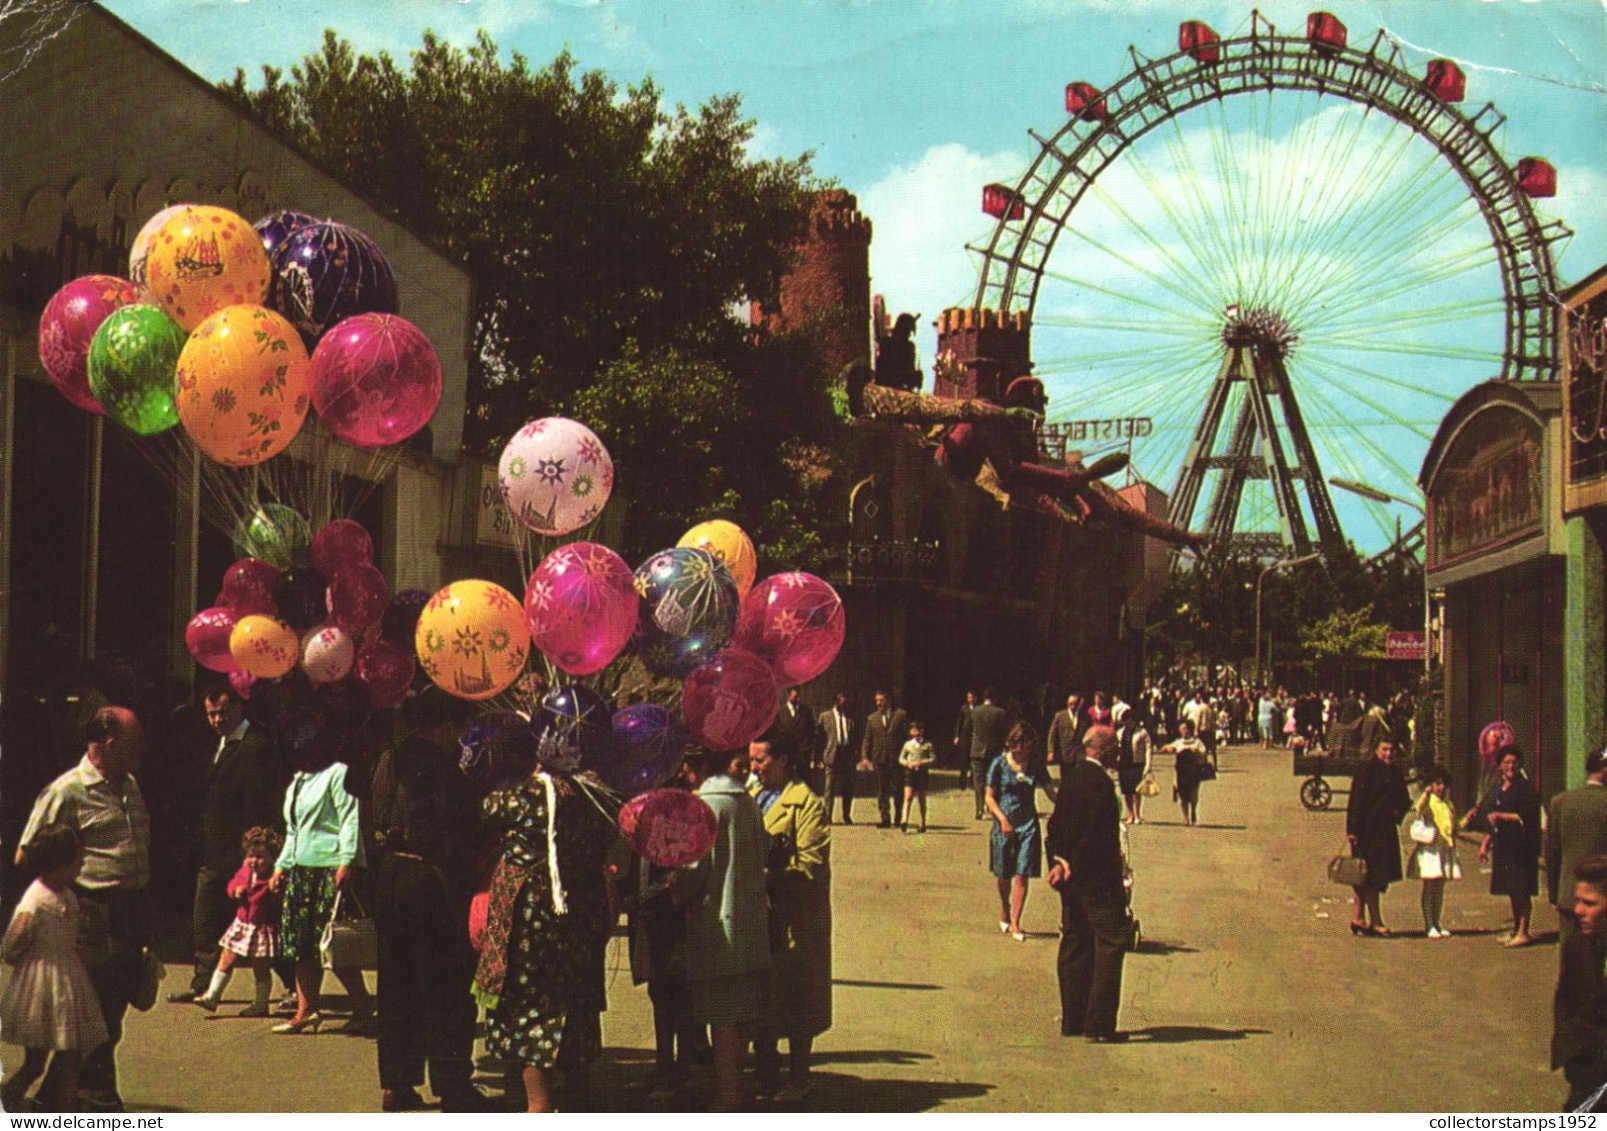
(1085, 852)
(795, 724)
(837, 729)
(886, 728)
(989, 724)
(242, 791)
(1579, 1012)
(962, 738)
(1576, 827)
(1065, 733)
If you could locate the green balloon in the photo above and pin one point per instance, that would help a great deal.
(132, 361)
(274, 533)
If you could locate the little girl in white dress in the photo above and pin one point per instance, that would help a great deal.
(50, 1006)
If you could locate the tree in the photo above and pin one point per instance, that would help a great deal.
(593, 220)
(1343, 637)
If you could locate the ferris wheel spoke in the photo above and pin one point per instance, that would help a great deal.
(1334, 381)
(1190, 299)
(1192, 311)
(1429, 274)
(1341, 453)
(1333, 365)
(1391, 320)
(1184, 232)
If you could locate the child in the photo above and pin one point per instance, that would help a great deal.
(916, 757)
(1434, 859)
(50, 1004)
(254, 934)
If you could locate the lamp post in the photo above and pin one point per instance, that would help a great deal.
(1368, 491)
(1286, 563)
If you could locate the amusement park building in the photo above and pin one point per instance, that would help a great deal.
(101, 557)
(1496, 551)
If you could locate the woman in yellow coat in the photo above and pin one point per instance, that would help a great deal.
(798, 880)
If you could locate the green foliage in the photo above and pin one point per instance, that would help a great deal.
(589, 216)
(1345, 635)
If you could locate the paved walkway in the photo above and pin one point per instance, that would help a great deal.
(1248, 993)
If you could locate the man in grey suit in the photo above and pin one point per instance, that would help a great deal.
(1065, 734)
(837, 729)
(988, 726)
(1576, 828)
(885, 732)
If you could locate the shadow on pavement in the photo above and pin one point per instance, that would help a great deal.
(1159, 946)
(871, 1056)
(1183, 1034)
(884, 985)
(850, 1093)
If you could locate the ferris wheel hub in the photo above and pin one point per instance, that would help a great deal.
(1259, 327)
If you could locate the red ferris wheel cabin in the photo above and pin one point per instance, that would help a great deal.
(1084, 101)
(1201, 43)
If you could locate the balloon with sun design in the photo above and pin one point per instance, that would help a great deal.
(472, 640)
(795, 623)
(555, 475)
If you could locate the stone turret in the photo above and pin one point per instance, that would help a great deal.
(829, 286)
(980, 351)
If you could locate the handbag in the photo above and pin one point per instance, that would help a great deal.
(1149, 787)
(1207, 770)
(149, 982)
(1348, 870)
(349, 944)
(1422, 832)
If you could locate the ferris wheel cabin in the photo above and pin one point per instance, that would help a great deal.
(1196, 38)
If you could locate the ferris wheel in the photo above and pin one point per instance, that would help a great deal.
(1285, 256)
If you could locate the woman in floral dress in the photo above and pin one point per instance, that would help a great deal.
(541, 964)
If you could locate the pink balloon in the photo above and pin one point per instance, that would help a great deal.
(327, 654)
(207, 638)
(385, 670)
(669, 827)
(375, 380)
(358, 597)
(729, 701)
(248, 588)
(795, 623)
(68, 326)
(581, 605)
(243, 682)
(339, 545)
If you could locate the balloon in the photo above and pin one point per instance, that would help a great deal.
(497, 750)
(1493, 737)
(385, 670)
(795, 623)
(375, 380)
(68, 326)
(326, 272)
(648, 749)
(472, 639)
(327, 654)
(274, 534)
(243, 385)
(302, 596)
(204, 259)
(555, 475)
(669, 827)
(731, 548)
(340, 544)
(139, 252)
(729, 701)
(243, 682)
(401, 615)
(263, 646)
(688, 610)
(248, 587)
(357, 597)
(207, 638)
(572, 728)
(277, 227)
(131, 362)
(581, 604)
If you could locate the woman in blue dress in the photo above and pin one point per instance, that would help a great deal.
(1016, 848)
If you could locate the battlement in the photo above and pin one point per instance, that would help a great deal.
(983, 351)
(958, 318)
(835, 212)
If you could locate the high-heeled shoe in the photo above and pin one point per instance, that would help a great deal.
(307, 1024)
(1358, 928)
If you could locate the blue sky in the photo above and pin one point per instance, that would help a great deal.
(914, 104)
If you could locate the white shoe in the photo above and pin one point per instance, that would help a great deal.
(1444, 934)
(1004, 927)
(210, 1004)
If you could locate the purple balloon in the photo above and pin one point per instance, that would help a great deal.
(649, 746)
(376, 380)
(68, 326)
(384, 669)
(497, 750)
(795, 623)
(572, 728)
(581, 605)
(730, 701)
(248, 588)
(358, 597)
(669, 827)
(401, 616)
(326, 272)
(339, 545)
(276, 228)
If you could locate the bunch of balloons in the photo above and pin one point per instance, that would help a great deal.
(313, 608)
(234, 331)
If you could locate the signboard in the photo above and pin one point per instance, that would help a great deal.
(1586, 345)
(1487, 493)
(1054, 437)
(493, 525)
(1404, 646)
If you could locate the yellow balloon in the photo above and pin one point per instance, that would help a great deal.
(472, 639)
(244, 384)
(264, 646)
(730, 546)
(204, 259)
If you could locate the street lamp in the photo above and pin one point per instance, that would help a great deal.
(1286, 563)
(1367, 491)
